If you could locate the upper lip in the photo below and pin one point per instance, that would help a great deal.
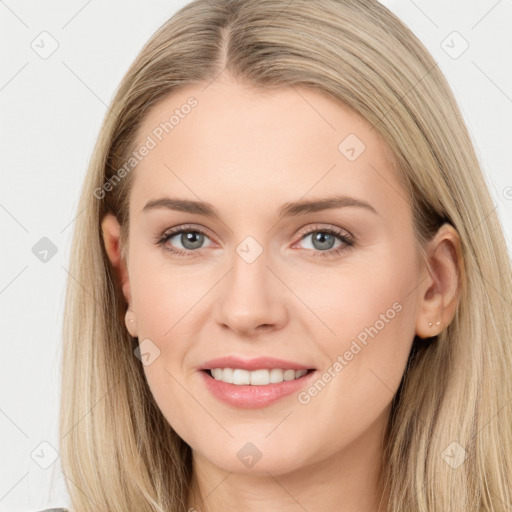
(257, 363)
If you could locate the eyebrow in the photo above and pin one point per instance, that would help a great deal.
(291, 209)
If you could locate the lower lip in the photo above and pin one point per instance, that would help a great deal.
(253, 397)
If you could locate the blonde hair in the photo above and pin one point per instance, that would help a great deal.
(118, 451)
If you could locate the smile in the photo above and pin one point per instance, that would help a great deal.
(261, 383)
(260, 377)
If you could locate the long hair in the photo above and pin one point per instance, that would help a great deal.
(449, 442)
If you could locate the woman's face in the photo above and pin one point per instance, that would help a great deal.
(298, 253)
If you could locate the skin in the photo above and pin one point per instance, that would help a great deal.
(248, 153)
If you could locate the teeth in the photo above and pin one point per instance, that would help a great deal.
(256, 377)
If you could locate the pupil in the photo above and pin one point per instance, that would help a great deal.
(192, 239)
(322, 238)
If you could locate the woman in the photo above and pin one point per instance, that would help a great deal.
(290, 289)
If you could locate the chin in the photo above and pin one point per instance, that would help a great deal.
(255, 458)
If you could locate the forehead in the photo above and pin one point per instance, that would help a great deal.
(260, 146)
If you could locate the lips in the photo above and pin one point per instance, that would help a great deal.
(254, 383)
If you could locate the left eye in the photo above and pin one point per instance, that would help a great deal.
(322, 240)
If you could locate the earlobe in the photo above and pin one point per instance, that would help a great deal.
(440, 294)
(111, 232)
(131, 322)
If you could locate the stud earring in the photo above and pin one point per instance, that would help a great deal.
(129, 320)
(430, 324)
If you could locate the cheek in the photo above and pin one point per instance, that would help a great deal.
(166, 300)
(176, 402)
(375, 314)
(369, 312)
(163, 293)
(363, 370)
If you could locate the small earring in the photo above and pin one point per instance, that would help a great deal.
(130, 322)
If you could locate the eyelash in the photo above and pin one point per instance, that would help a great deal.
(347, 240)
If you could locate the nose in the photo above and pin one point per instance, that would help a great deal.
(251, 299)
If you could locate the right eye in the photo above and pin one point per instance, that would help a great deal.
(190, 238)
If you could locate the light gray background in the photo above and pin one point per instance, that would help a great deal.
(51, 113)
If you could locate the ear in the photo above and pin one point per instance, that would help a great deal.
(440, 291)
(111, 231)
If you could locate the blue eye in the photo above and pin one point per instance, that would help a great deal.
(192, 239)
(324, 239)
